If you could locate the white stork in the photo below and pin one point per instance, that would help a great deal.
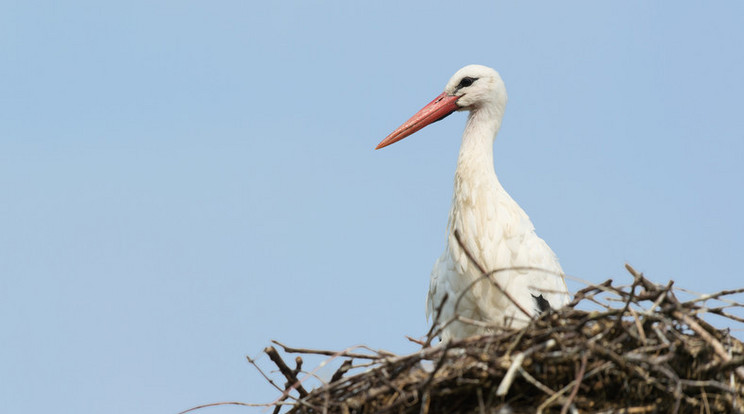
(525, 277)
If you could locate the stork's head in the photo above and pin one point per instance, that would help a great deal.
(470, 88)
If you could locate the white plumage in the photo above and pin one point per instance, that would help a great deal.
(491, 225)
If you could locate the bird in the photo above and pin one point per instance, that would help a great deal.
(495, 271)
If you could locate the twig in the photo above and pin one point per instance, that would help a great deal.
(263, 374)
(509, 377)
(532, 380)
(506, 382)
(579, 378)
(343, 369)
(199, 407)
(716, 296)
(435, 323)
(345, 353)
(438, 366)
(290, 375)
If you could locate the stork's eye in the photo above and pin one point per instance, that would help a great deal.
(466, 81)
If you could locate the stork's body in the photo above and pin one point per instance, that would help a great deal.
(491, 225)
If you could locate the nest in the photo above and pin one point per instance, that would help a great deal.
(643, 351)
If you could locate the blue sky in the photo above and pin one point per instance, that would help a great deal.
(181, 182)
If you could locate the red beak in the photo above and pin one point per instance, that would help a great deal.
(437, 109)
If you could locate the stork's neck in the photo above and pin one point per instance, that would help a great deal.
(476, 187)
(475, 161)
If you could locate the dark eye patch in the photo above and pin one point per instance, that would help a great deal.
(465, 82)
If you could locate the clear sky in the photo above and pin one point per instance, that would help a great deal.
(183, 181)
